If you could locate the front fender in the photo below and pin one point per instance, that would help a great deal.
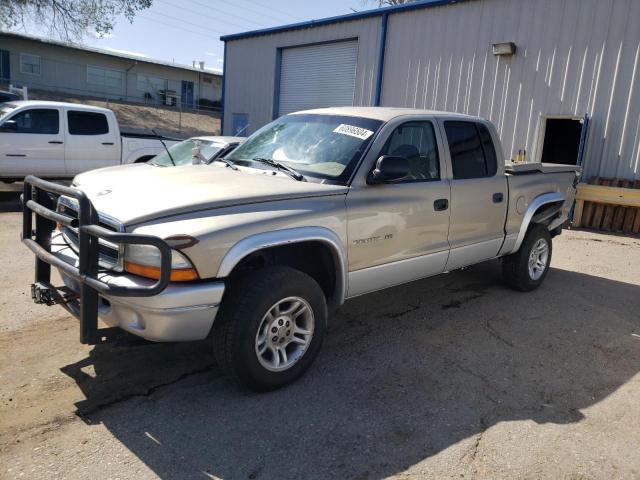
(288, 236)
(134, 153)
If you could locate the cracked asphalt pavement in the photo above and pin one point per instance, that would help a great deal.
(450, 377)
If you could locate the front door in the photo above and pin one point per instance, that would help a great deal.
(397, 232)
(32, 142)
(478, 194)
(187, 94)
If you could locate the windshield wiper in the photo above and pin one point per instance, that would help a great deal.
(228, 163)
(282, 167)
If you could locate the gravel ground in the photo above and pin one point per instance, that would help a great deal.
(450, 377)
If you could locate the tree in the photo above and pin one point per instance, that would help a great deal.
(68, 19)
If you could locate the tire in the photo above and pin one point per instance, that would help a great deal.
(515, 267)
(249, 357)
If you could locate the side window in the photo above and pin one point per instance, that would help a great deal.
(37, 120)
(471, 148)
(87, 123)
(488, 149)
(416, 141)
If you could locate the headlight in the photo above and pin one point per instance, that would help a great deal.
(144, 260)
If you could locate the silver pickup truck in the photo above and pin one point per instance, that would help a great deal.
(319, 206)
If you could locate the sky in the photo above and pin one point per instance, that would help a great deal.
(181, 31)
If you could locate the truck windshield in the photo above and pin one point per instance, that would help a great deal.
(325, 147)
(181, 152)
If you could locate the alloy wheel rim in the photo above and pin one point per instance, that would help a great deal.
(538, 258)
(284, 334)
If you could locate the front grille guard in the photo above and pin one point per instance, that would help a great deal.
(110, 261)
(37, 199)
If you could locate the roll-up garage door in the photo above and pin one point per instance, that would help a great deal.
(317, 76)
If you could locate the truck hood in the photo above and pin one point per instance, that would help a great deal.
(138, 193)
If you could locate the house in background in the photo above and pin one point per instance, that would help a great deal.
(559, 79)
(85, 71)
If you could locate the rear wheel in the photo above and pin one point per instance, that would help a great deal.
(526, 269)
(270, 328)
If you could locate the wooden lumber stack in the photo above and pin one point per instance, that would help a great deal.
(608, 204)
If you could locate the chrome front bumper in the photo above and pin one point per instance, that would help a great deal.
(181, 312)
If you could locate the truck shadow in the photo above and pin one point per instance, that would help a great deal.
(404, 374)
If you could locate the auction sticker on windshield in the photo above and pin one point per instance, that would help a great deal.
(353, 131)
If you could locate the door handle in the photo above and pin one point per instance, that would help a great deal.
(55, 142)
(107, 143)
(498, 197)
(15, 155)
(440, 204)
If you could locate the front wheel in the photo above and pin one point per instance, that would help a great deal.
(270, 328)
(526, 269)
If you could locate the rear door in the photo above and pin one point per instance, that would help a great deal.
(478, 193)
(32, 142)
(92, 141)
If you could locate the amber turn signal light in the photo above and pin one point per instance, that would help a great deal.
(177, 275)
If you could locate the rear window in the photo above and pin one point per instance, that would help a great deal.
(472, 151)
(87, 123)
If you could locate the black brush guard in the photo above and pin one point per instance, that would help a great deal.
(37, 199)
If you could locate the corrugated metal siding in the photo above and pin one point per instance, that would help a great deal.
(318, 76)
(574, 57)
(250, 67)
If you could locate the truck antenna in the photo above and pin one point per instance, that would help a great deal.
(165, 146)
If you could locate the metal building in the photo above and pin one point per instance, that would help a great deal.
(559, 78)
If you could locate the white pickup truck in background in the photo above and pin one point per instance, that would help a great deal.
(58, 140)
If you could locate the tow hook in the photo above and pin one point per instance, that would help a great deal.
(44, 293)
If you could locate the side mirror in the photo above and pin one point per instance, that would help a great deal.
(9, 126)
(388, 169)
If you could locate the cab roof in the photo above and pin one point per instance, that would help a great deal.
(381, 113)
(48, 103)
